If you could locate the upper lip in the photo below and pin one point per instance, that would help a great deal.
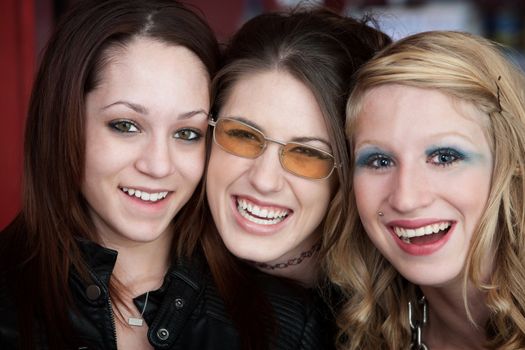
(262, 203)
(415, 223)
(145, 189)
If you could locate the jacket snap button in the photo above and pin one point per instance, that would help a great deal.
(93, 292)
(179, 303)
(163, 334)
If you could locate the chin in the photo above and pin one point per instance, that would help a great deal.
(431, 279)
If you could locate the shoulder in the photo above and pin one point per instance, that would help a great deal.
(192, 311)
(8, 321)
(304, 319)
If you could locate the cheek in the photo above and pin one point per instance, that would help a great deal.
(214, 172)
(367, 195)
(100, 161)
(469, 194)
(190, 163)
(314, 195)
(225, 168)
(218, 173)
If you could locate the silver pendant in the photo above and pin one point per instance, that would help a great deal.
(134, 321)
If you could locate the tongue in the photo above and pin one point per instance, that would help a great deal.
(427, 239)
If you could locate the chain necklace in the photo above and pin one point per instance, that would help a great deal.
(417, 324)
(293, 261)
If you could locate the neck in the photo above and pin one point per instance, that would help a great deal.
(449, 325)
(302, 267)
(141, 266)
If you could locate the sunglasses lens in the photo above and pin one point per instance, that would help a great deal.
(238, 138)
(306, 161)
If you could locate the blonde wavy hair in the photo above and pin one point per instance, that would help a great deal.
(374, 312)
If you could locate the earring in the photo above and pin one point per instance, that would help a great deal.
(380, 213)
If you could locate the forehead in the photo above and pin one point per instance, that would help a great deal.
(412, 108)
(150, 72)
(278, 103)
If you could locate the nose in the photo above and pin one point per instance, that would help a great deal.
(156, 158)
(265, 174)
(410, 189)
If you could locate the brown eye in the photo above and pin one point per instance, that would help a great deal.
(308, 152)
(187, 134)
(124, 126)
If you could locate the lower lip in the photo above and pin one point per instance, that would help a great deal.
(423, 249)
(253, 228)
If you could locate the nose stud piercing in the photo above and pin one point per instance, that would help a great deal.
(380, 213)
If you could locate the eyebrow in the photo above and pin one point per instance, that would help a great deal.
(134, 106)
(143, 110)
(303, 139)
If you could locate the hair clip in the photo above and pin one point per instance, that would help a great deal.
(499, 101)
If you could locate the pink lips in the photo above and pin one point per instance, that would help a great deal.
(419, 249)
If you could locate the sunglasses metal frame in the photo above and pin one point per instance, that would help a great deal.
(213, 123)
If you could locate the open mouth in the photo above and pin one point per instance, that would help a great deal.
(424, 234)
(262, 215)
(143, 195)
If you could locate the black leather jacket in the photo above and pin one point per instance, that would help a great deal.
(185, 313)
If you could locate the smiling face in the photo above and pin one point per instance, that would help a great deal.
(263, 212)
(145, 149)
(423, 160)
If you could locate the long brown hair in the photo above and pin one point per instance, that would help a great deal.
(40, 244)
(322, 50)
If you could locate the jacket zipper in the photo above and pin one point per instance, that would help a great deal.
(113, 325)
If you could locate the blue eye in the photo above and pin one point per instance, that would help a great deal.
(375, 161)
(123, 126)
(188, 134)
(445, 157)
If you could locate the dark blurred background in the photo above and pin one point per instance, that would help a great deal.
(25, 26)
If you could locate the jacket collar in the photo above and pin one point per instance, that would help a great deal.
(99, 260)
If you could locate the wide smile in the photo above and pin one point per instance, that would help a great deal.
(261, 214)
(145, 196)
(423, 235)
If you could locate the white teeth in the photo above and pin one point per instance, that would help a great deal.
(406, 233)
(145, 196)
(258, 215)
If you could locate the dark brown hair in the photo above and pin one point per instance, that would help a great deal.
(39, 245)
(322, 50)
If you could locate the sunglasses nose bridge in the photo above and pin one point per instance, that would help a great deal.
(268, 140)
(281, 144)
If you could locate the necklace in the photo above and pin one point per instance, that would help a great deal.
(416, 325)
(293, 261)
(139, 321)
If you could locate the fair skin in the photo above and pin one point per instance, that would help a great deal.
(424, 161)
(145, 149)
(258, 99)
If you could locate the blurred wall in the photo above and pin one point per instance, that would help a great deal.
(17, 59)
